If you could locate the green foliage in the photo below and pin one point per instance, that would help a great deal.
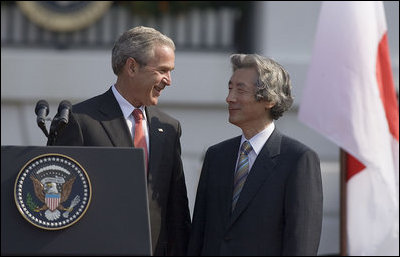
(30, 203)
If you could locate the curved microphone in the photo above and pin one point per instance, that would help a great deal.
(64, 109)
(42, 110)
(60, 121)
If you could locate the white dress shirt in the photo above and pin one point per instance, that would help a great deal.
(127, 109)
(257, 142)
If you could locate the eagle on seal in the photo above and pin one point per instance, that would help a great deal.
(42, 190)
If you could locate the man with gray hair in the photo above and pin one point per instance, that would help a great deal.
(125, 116)
(259, 193)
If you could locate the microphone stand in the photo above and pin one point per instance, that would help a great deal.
(59, 122)
(53, 131)
(42, 110)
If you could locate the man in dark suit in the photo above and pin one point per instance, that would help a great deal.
(142, 59)
(259, 193)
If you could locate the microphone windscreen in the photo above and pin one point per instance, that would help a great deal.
(64, 105)
(40, 105)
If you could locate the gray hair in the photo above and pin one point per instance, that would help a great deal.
(138, 43)
(273, 83)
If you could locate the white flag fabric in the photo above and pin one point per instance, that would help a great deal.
(350, 98)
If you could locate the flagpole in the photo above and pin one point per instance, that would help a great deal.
(343, 201)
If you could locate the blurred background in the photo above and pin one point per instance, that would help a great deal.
(61, 50)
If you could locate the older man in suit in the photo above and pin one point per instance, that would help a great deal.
(125, 116)
(259, 193)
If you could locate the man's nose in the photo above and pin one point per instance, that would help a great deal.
(230, 97)
(167, 79)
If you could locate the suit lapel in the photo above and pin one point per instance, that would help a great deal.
(262, 170)
(114, 122)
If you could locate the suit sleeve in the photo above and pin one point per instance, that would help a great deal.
(303, 207)
(178, 207)
(199, 213)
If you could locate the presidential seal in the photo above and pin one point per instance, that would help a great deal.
(64, 16)
(52, 191)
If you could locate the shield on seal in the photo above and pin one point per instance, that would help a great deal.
(52, 201)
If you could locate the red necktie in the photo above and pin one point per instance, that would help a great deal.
(140, 138)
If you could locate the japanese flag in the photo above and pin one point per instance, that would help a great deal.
(350, 99)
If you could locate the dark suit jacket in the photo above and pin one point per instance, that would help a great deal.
(279, 211)
(99, 122)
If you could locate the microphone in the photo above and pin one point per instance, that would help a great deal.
(42, 110)
(63, 112)
(60, 121)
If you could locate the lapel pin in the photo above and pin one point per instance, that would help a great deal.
(161, 130)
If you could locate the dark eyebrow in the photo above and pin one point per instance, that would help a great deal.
(241, 84)
(166, 68)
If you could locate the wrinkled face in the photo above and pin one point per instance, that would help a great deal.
(244, 110)
(152, 78)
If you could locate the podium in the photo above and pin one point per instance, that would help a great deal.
(115, 222)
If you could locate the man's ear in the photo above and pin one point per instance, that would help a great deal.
(131, 66)
(269, 105)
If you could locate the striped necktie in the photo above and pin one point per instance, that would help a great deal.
(241, 172)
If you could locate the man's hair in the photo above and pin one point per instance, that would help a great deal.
(273, 83)
(138, 43)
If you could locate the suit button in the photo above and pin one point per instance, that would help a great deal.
(227, 238)
(155, 195)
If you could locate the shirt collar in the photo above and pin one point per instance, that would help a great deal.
(126, 107)
(259, 140)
